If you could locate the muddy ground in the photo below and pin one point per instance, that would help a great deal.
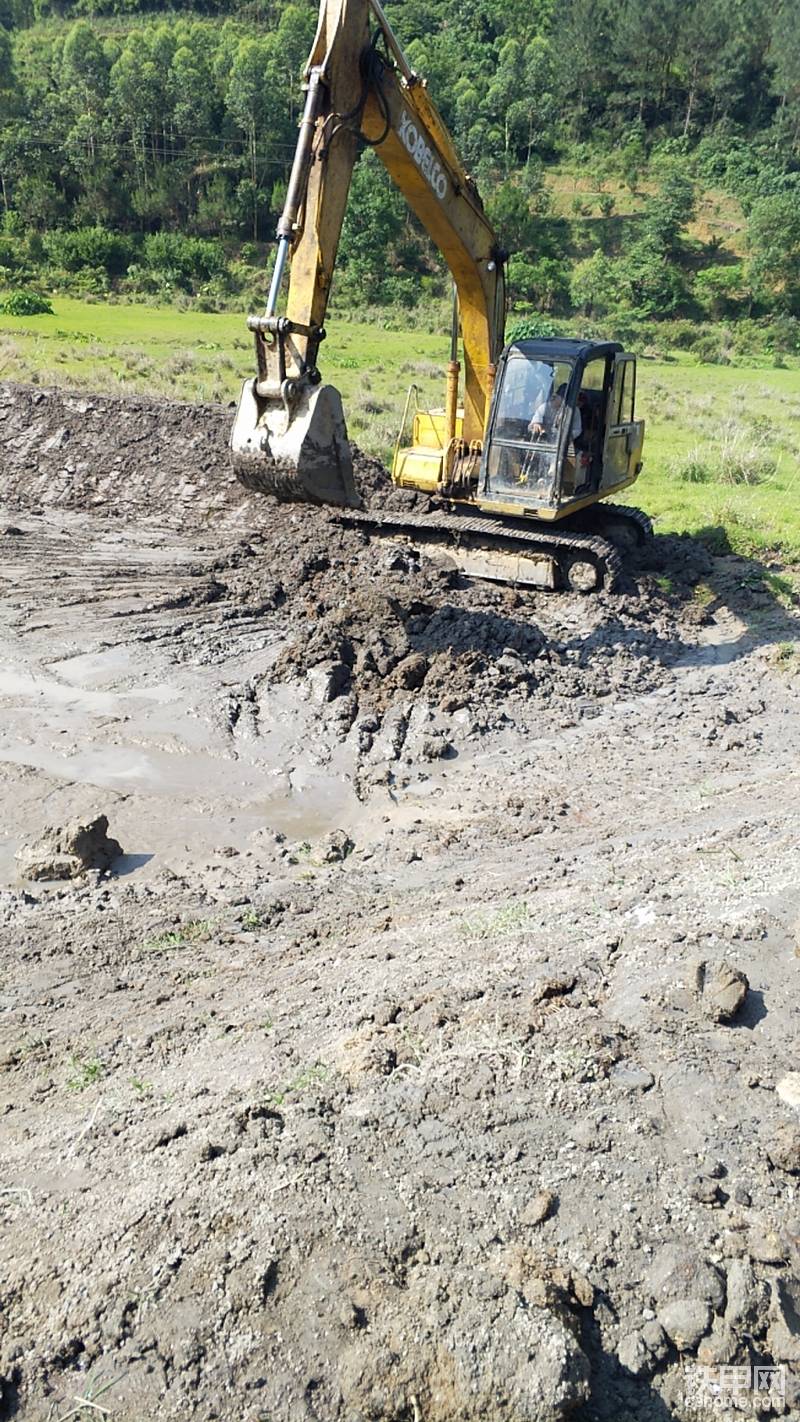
(388, 1075)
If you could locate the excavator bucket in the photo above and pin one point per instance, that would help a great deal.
(299, 454)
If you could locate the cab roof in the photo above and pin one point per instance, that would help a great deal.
(559, 348)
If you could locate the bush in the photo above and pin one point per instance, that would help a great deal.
(694, 468)
(531, 328)
(92, 247)
(680, 335)
(713, 347)
(721, 290)
(184, 260)
(25, 303)
(10, 254)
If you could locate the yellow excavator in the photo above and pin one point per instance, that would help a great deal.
(535, 435)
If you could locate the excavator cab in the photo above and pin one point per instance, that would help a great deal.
(561, 430)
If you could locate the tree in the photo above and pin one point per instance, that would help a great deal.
(373, 224)
(85, 73)
(785, 57)
(592, 286)
(773, 237)
(248, 100)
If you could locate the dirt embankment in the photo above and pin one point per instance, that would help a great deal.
(431, 1052)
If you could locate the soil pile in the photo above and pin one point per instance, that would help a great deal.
(369, 620)
(119, 455)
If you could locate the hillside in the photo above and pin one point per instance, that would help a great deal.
(144, 152)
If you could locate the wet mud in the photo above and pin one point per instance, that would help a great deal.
(383, 1075)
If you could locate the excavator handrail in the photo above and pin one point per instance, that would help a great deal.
(413, 389)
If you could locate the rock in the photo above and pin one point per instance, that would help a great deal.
(582, 1289)
(685, 1321)
(747, 1297)
(332, 848)
(783, 1151)
(328, 681)
(538, 1209)
(553, 987)
(630, 1077)
(783, 1337)
(435, 746)
(723, 992)
(788, 1089)
(766, 1246)
(742, 1196)
(411, 672)
(713, 1169)
(68, 851)
(705, 1191)
(634, 1355)
(719, 1347)
(677, 1272)
(655, 1339)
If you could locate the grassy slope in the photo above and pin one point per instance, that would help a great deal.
(193, 356)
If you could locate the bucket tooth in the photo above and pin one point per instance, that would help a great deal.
(302, 455)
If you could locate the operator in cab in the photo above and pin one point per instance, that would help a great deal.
(546, 425)
(548, 415)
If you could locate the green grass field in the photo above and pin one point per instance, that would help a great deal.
(721, 450)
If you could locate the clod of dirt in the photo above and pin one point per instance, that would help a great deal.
(724, 990)
(539, 1208)
(784, 1331)
(685, 1321)
(784, 1148)
(788, 1089)
(332, 848)
(720, 1347)
(68, 851)
(677, 1274)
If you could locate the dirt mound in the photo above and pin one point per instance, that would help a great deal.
(120, 455)
(367, 622)
(375, 621)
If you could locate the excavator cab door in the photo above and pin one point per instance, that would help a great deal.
(622, 451)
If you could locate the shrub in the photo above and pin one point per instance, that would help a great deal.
(531, 328)
(721, 290)
(742, 455)
(694, 468)
(713, 347)
(25, 303)
(183, 260)
(91, 247)
(10, 254)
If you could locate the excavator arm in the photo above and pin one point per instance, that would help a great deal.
(289, 437)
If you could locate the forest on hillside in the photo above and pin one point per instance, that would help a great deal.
(640, 159)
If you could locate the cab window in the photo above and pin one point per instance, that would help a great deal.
(527, 392)
(626, 389)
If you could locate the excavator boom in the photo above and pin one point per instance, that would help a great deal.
(289, 436)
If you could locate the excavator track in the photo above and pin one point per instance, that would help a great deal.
(608, 520)
(486, 547)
